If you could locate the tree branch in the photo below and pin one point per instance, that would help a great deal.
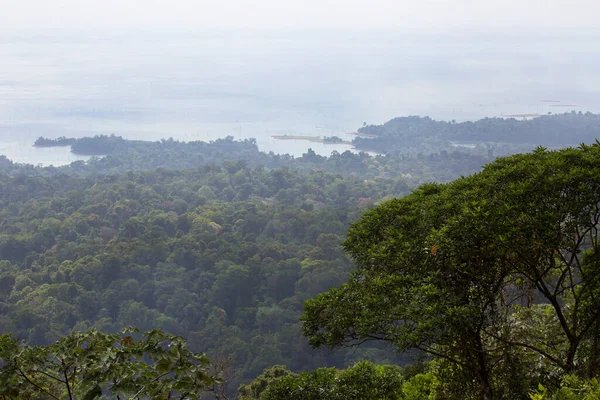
(530, 347)
(49, 376)
(67, 383)
(442, 355)
(36, 385)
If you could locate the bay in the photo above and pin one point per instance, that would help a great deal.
(206, 85)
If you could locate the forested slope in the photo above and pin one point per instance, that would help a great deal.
(223, 256)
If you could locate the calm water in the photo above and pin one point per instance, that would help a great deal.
(205, 87)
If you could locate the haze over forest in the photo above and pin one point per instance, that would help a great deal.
(299, 200)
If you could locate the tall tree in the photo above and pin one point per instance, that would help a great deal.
(455, 270)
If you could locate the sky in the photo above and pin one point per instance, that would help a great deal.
(418, 16)
(164, 73)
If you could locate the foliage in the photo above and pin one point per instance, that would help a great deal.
(92, 364)
(224, 255)
(254, 390)
(419, 387)
(363, 380)
(571, 388)
(450, 268)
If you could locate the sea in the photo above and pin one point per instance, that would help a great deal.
(206, 85)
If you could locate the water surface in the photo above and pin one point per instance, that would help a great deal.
(207, 86)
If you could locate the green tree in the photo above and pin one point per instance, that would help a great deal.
(89, 365)
(449, 269)
(253, 390)
(363, 380)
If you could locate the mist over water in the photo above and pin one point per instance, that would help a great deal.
(204, 87)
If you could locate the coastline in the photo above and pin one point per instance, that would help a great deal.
(316, 139)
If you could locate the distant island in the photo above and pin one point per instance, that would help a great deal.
(58, 142)
(316, 139)
(333, 139)
(89, 146)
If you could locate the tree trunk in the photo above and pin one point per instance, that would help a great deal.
(595, 356)
(482, 371)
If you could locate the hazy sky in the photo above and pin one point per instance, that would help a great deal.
(454, 16)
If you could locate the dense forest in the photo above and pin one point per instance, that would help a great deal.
(481, 285)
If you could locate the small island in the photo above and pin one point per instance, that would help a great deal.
(316, 139)
(58, 142)
(99, 145)
(333, 139)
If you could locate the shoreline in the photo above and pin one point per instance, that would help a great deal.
(316, 139)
